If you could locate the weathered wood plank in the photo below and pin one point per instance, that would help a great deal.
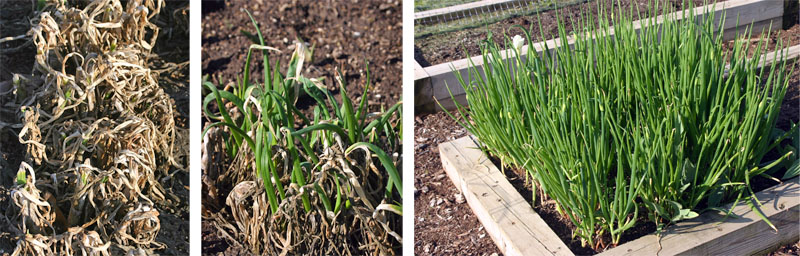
(447, 13)
(506, 216)
(422, 87)
(756, 14)
(419, 71)
(745, 235)
(792, 54)
(517, 230)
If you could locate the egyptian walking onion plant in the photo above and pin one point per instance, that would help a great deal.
(649, 118)
(269, 120)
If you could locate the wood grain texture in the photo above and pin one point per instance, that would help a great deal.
(755, 14)
(518, 230)
(419, 71)
(446, 13)
(748, 234)
(506, 216)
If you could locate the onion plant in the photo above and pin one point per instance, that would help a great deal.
(640, 124)
(286, 144)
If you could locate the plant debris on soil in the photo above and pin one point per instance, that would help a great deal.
(786, 250)
(97, 159)
(343, 35)
(447, 47)
(445, 224)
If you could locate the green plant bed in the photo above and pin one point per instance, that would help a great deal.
(321, 184)
(641, 118)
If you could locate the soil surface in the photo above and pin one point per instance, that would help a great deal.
(789, 36)
(170, 60)
(786, 250)
(446, 47)
(445, 224)
(172, 64)
(345, 35)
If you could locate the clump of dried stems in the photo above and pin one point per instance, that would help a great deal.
(97, 129)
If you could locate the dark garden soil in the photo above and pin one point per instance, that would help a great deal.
(444, 223)
(787, 250)
(14, 20)
(447, 47)
(170, 59)
(345, 35)
(172, 63)
(789, 36)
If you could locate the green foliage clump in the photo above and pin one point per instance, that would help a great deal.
(663, 117)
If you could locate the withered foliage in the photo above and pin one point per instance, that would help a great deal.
(98, 132)
(367, 227)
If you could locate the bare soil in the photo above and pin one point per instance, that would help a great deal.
(170, 59)
(442, 224)
(345, 35)
(787, 250)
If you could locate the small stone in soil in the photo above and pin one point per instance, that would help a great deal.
(459, 198)
(337, 53)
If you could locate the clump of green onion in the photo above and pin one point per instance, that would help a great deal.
(642, 118)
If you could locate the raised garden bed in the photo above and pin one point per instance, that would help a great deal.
(437, 48)
(431, 83)
(518, 230)
(459, 11)
(790, 100)
(445, 223)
